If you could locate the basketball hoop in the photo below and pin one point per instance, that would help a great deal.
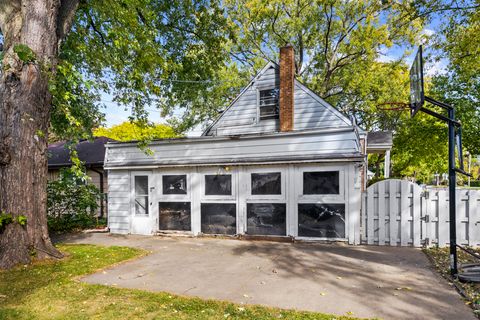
(396, 106)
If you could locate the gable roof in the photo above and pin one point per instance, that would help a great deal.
(303, 87)
(92, 153)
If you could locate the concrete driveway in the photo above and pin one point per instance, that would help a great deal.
(370, 281)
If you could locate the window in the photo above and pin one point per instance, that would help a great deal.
(266, 183)
(218, 218)
(141, 195)
(174, 184)
(321, 220)
(174, 216)
(220, 184)
(268, 104)
(266, 219)
(321, 182)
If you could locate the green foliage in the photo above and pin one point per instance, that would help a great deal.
(338, 46)
(71, 202)
(135, 131)
(24, 53)
(152, 53)
(22, 220)
(75, 110)
(7, 218)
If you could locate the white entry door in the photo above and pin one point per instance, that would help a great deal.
(141, 200)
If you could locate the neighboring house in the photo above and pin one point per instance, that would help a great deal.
(92, 153)
(279, 161)
(381, 142)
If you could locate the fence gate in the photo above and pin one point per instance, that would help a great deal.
(401, 213)
(391, 213)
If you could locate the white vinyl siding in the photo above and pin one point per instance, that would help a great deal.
(242, 117)
(119, 201)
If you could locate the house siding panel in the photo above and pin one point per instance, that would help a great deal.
(119, 201)
(287, 146)
(310, 112)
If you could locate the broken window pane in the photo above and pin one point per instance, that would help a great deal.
(268, 101)
(321, 182)
(267, 183)
(141, 185)
(219, 218)
(266, 219)
(219, 184)
(141, 205)
(175, 184)
(174, 216)
(321, 220)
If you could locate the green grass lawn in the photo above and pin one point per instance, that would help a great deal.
(49, 290)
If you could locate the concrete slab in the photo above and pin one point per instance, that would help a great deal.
(370, 281)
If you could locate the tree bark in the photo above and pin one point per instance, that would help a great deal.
(24, 120)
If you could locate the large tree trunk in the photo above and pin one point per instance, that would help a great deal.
(24, 121)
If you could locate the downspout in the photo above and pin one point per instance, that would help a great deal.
(100, 174)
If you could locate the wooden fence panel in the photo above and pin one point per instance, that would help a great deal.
(398, 212)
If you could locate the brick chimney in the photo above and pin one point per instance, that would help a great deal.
(287, 76)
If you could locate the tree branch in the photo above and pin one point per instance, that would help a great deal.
(65, 18)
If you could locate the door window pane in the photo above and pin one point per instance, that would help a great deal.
(220, 184)
(321, 220)
(267, 183)
(141, 205)
(266, 219)
(174, 216)
(219, 218)
(141, 185)
(321, 182)
(174, 184)
(141, 195)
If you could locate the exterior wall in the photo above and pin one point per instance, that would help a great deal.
(119, 204)
(53, 174)
(310, 111)
(328, 144)
(121, 196)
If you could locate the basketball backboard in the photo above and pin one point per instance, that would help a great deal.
(417, 93)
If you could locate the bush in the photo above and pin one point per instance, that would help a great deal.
(475, 183)
(72, 203)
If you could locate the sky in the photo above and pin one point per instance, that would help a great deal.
(116, 114)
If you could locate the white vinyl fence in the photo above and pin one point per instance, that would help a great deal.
(401, 213)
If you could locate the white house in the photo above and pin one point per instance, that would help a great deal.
(279, 161)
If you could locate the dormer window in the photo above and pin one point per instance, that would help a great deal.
(268, 104)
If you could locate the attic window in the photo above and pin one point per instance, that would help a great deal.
(268, 104)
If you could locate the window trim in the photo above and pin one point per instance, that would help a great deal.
(266, 197)
(321, 198)
(133, 213)
(173, 197)
(216, 198)
(270, 118)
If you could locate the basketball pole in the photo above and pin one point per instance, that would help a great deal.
(452, 184)
(452, 175)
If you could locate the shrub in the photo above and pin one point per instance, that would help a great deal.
(72, 202)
